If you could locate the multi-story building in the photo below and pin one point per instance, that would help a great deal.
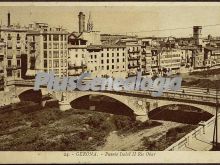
(47, 50)
(211, 56)
(170, 60)
(16, 54)
(84, 49)
(133, 55)
(113, 60)
(155, 60)
(2, 64)
(77, 51)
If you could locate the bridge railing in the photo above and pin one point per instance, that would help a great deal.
(189, 94)
(196, 132)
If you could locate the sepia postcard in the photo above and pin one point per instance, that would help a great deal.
(109, 82)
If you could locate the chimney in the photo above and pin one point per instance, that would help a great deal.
(81, 22)
(9, 19)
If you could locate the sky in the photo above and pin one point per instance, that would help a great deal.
(122, 18)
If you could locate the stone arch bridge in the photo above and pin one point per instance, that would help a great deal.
(140, 102)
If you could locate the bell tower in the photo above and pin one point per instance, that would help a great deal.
(89, 23)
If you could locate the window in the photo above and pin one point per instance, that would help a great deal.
(117, 54)
(91, 56)
(45, 45)
(83, 56)
(56, 63)
(102, 61)
(95, 56)
(9, 73)
(18, 37)
(107, 54)
(107, 67)
(112, 66)
(56, 37)
(9, 37)
(112, 54)
(117, 49)
(50, 54)
(76, 55)
(56, 45)
(117, 59)
(9, 62)
(123, 54)
(123, 60)
(49, 37)
(50, 63)
(45, 54)
(102, 55)
(107, 49)
(50, 45)
(18, 74)
(18, 63)
(112, 60)
(107, 60)
(76, 50)
(45, 37)
(45, 63)
(55, 54)
(61, 63)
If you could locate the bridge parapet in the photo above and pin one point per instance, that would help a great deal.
(185, 141)
(191, 94)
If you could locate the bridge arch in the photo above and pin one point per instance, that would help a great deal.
(136, 105)
(112, 105)
(30, 95)
(180, 113)
(206, 108)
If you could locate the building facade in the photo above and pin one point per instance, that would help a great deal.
(47, 50)
(16, 50)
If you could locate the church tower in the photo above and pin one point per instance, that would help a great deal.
(89, 23)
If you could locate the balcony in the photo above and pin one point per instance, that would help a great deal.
(133, 51)
(32, 49)
(133, 66)
(18, 54)
(9, 45)
(1, 69)
(71, 73)
(2, 52)
(9, 55)
(10, 67)
(130, 58)
(18, 46)
(73, 66)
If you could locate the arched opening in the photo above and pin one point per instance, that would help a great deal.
(103, 104)
(31, 95)
(180, 113)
